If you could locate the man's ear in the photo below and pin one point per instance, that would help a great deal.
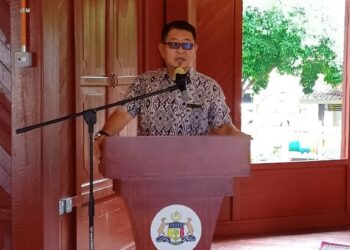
(195, 48)
(161, 49)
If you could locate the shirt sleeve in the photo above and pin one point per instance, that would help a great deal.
(136, 89)
(219, 112)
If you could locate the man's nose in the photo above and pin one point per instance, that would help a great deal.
(180, 49)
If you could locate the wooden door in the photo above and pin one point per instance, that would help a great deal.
(106, 64)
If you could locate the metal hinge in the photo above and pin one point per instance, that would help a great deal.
(65, 206)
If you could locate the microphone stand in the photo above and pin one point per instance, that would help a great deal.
(89, 116)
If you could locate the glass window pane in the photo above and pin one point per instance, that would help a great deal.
(292, 79)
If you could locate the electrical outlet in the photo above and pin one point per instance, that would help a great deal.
(23, 59)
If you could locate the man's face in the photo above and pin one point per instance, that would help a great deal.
(178, 57)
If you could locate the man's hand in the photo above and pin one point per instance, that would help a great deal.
(115, 123)
(98, 147)
(228, 129)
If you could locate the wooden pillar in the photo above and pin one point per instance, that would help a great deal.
(43, 159)
(27, 206)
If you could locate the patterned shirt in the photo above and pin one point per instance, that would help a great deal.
(168, 114)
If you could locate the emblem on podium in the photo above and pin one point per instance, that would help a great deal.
(176, 227)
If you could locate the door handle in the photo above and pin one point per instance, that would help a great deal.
(113, 80)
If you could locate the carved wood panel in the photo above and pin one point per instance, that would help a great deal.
(122, 38)
(93, 47)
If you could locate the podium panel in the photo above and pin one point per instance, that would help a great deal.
(153, 173)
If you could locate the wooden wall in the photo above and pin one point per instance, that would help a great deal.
(150, 20)
(5, 127)
(290, 197)
(276, 198)
(5, 19)
(44, 158)
(5, 77)
(220, 42)
(27, 148)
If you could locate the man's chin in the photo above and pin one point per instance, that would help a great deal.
(181, 65)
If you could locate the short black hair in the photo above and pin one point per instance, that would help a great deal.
(178, 24)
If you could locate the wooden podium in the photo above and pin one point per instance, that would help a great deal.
(151, 173)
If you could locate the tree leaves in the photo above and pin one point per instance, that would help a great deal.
(272, 40)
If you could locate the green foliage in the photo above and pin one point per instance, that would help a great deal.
(272, 40)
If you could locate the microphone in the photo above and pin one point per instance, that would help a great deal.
(181, 81)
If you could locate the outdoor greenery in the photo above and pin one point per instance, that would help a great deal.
(273, 40)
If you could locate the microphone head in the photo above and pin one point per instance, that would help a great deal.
(181, 81)
(180, 78)
(180, 71)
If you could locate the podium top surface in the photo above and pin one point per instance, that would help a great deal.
(176, 156)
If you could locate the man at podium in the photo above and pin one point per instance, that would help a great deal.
(198, 108)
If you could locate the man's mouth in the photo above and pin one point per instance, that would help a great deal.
(180, 59)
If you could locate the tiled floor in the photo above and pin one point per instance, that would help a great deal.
(286, 242)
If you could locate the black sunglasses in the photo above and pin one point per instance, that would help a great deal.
(175, 45)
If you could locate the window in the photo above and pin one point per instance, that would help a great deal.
(292, 79)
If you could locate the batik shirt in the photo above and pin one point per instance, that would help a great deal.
(168, 114)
